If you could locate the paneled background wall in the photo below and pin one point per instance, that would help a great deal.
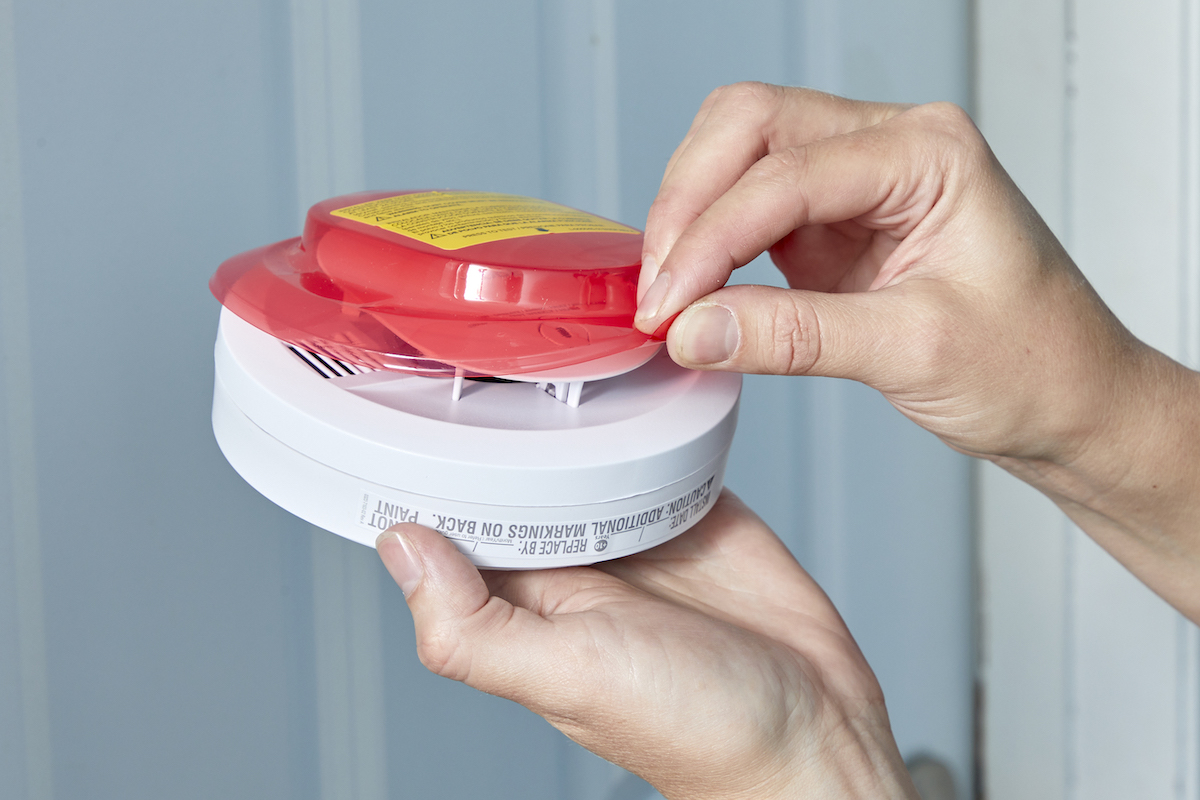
(1091, 681)
(165, 631)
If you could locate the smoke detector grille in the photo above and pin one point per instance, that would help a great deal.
(328, 367)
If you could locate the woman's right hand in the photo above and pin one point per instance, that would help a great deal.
(916, 266)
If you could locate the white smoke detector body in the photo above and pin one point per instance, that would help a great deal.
(516, 478)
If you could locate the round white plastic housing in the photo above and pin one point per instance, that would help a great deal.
(516, 478)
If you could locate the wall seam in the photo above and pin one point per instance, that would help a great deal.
(346, 590)
(15, 349)
(1190, 181)
(607, 109)
(1187, 779)
(1071, 534)
(823, 35)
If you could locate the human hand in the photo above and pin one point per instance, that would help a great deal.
(713, 666)
(919, 268)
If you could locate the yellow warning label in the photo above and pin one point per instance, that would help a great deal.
(452, 220)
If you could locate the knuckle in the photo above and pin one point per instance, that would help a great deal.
(950, 126)
(800, 335)
(749, 97)
(946, 138)
(789, 337)
(671, 197)
(460, 648)
(784, 167)
(713, 96)
(936, 340)
(944, 115)
(441, 654)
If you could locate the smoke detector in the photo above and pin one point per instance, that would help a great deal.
(466, 361)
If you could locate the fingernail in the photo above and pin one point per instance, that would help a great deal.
(403, 562)
(709, 335)
(652, 301)
(648, 274)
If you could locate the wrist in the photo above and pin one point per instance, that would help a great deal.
(859, 759)
(847, 757)
(1130, 479)
(1136, 437)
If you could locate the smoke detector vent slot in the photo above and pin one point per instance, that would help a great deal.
(328, 367)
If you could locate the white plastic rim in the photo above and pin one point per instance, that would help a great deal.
(515, 478)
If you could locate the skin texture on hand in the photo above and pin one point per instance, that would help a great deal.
(917, 267)
(712, 665)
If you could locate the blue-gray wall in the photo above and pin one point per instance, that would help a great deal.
(154, 140)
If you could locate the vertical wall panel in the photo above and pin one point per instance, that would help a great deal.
(1021, 93)
(26, 759)
(571, 104)
(349, 670)
(154, 143)
(1187, 768)
(451, 95)
(1090, 679)
(1189, 30)
(1128, 213)
(904, 582)
(1126, 165)
(327, 98)
(346, 579)
(606, 119)
(904, 52)
(671, 55)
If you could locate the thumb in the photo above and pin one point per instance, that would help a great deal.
(874, 337)
(461, 629)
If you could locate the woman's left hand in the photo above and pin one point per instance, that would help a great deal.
(713, 666)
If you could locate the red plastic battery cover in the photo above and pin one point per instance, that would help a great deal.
(446, 282)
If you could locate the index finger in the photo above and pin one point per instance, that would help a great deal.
(736, 127)
(884, 177)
